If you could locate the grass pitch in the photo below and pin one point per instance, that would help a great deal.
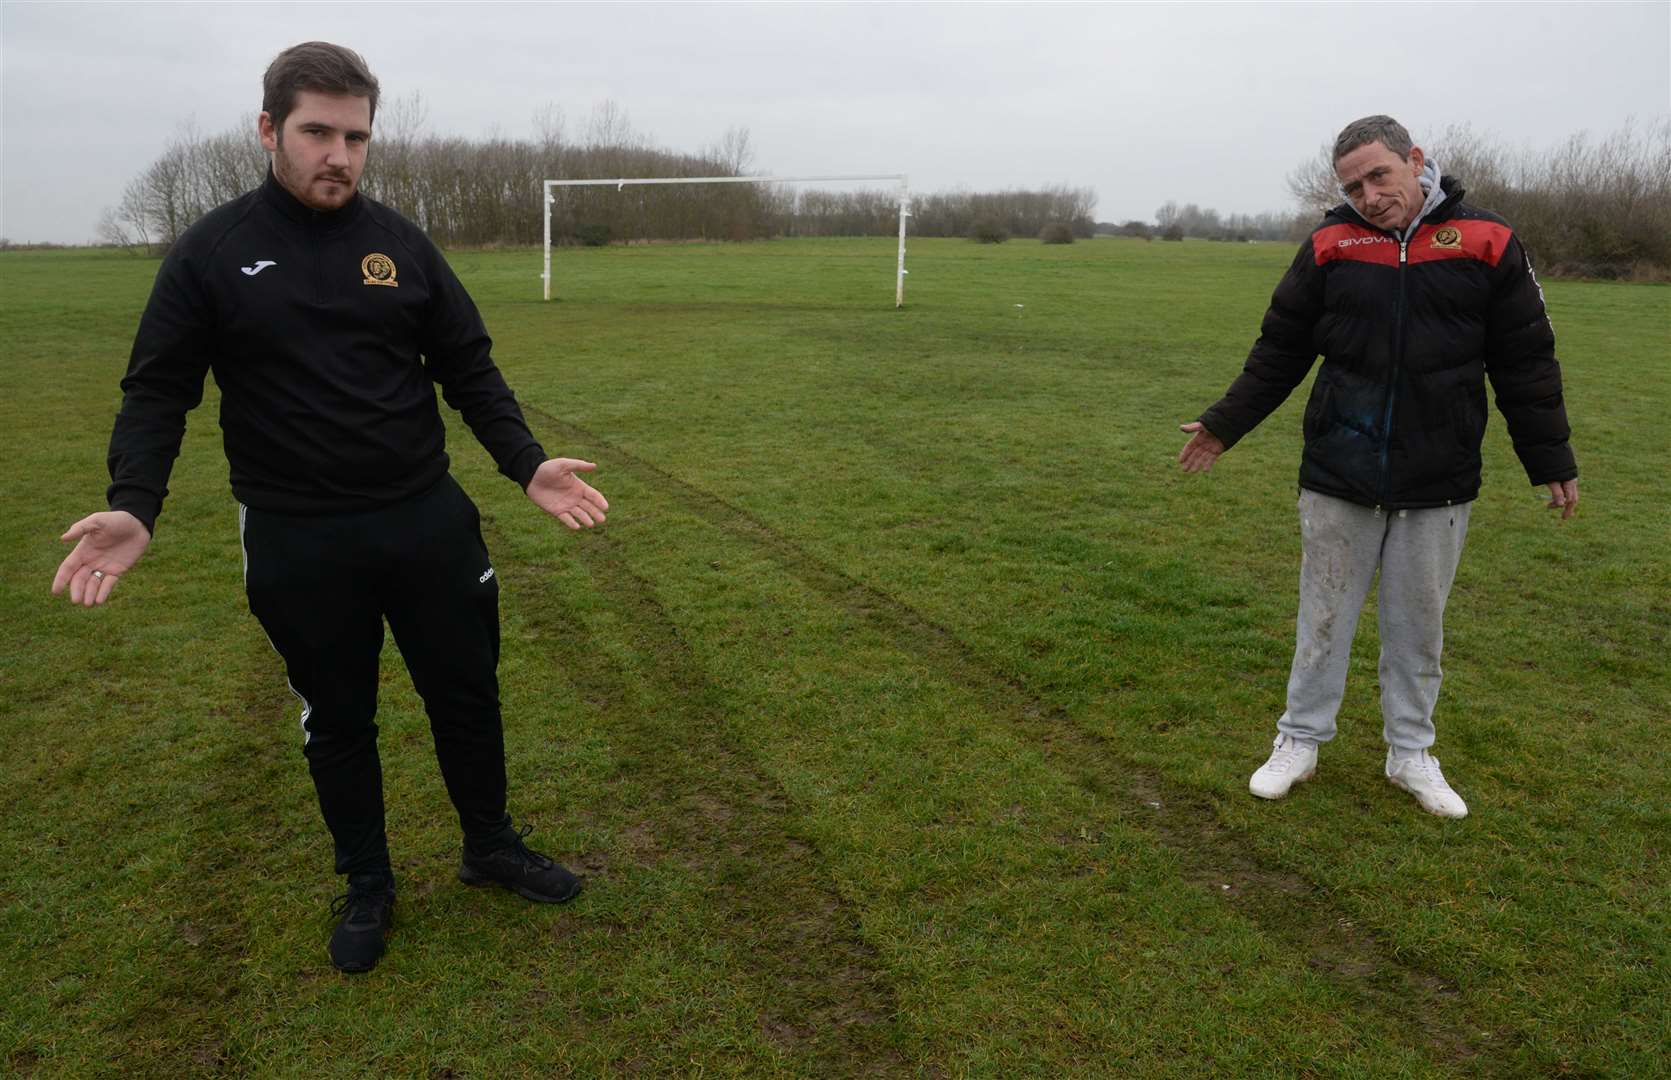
(901, 714)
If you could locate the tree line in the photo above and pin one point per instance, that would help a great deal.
(460, 191)
(955, 213)
(486, 191)
(1591, 207)
(1174, 222)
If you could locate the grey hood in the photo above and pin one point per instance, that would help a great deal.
(1429, 180)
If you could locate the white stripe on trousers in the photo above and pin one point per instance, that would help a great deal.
(307, 709)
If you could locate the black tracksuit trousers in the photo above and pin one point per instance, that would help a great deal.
(322, 587)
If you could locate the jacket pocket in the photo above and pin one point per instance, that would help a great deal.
(1467, 423)
(1317, 415)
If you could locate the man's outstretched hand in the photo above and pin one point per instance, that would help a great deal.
(107, 546)
(1563, 496)
(1202, 449)
(559, 492)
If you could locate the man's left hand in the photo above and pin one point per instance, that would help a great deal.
(1563, 496)
(559, 492)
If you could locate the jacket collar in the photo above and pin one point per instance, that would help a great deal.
(1453, 195)
(293, 208)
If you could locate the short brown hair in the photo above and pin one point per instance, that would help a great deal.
(318, 66)
(1373, 129)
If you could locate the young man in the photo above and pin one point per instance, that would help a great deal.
(1413, 298)
(328, 321)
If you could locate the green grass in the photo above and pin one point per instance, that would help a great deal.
(901, 714)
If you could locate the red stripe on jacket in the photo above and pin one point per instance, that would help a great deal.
(1467, 239)
(1461, 239)
(1353, 243)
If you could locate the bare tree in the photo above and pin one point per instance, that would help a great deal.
(1313, 183)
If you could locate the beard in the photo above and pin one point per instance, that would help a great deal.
(315, 188)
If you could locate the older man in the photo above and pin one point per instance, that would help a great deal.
(1414, 298)
(328, 321)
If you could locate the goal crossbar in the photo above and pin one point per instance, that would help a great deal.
(621, 182)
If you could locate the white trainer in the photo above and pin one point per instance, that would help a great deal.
(1292, 761)
(1418, 773)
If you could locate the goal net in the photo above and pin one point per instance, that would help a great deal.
(548, 198)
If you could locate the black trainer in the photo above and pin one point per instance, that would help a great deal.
(510, 863)
(366, 908)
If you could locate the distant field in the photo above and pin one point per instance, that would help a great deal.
(901, 714)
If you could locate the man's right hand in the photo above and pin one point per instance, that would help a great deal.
(108, 544)
(1563, 496)
(1202, 449)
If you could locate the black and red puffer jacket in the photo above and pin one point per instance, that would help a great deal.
(1408, 332)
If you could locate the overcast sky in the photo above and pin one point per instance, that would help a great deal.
(1211, 103)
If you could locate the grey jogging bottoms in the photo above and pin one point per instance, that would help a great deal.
(1342, 546)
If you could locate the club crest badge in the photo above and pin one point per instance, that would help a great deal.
(379, 269)
(1448, 237)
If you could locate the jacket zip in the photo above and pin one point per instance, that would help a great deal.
(1385, 487)
(320, 293)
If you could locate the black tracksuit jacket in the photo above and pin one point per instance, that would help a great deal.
(327, 334)
(1408, 334)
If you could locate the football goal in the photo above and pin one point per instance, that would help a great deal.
(547, 199)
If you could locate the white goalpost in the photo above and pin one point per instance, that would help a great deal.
(546, 199)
